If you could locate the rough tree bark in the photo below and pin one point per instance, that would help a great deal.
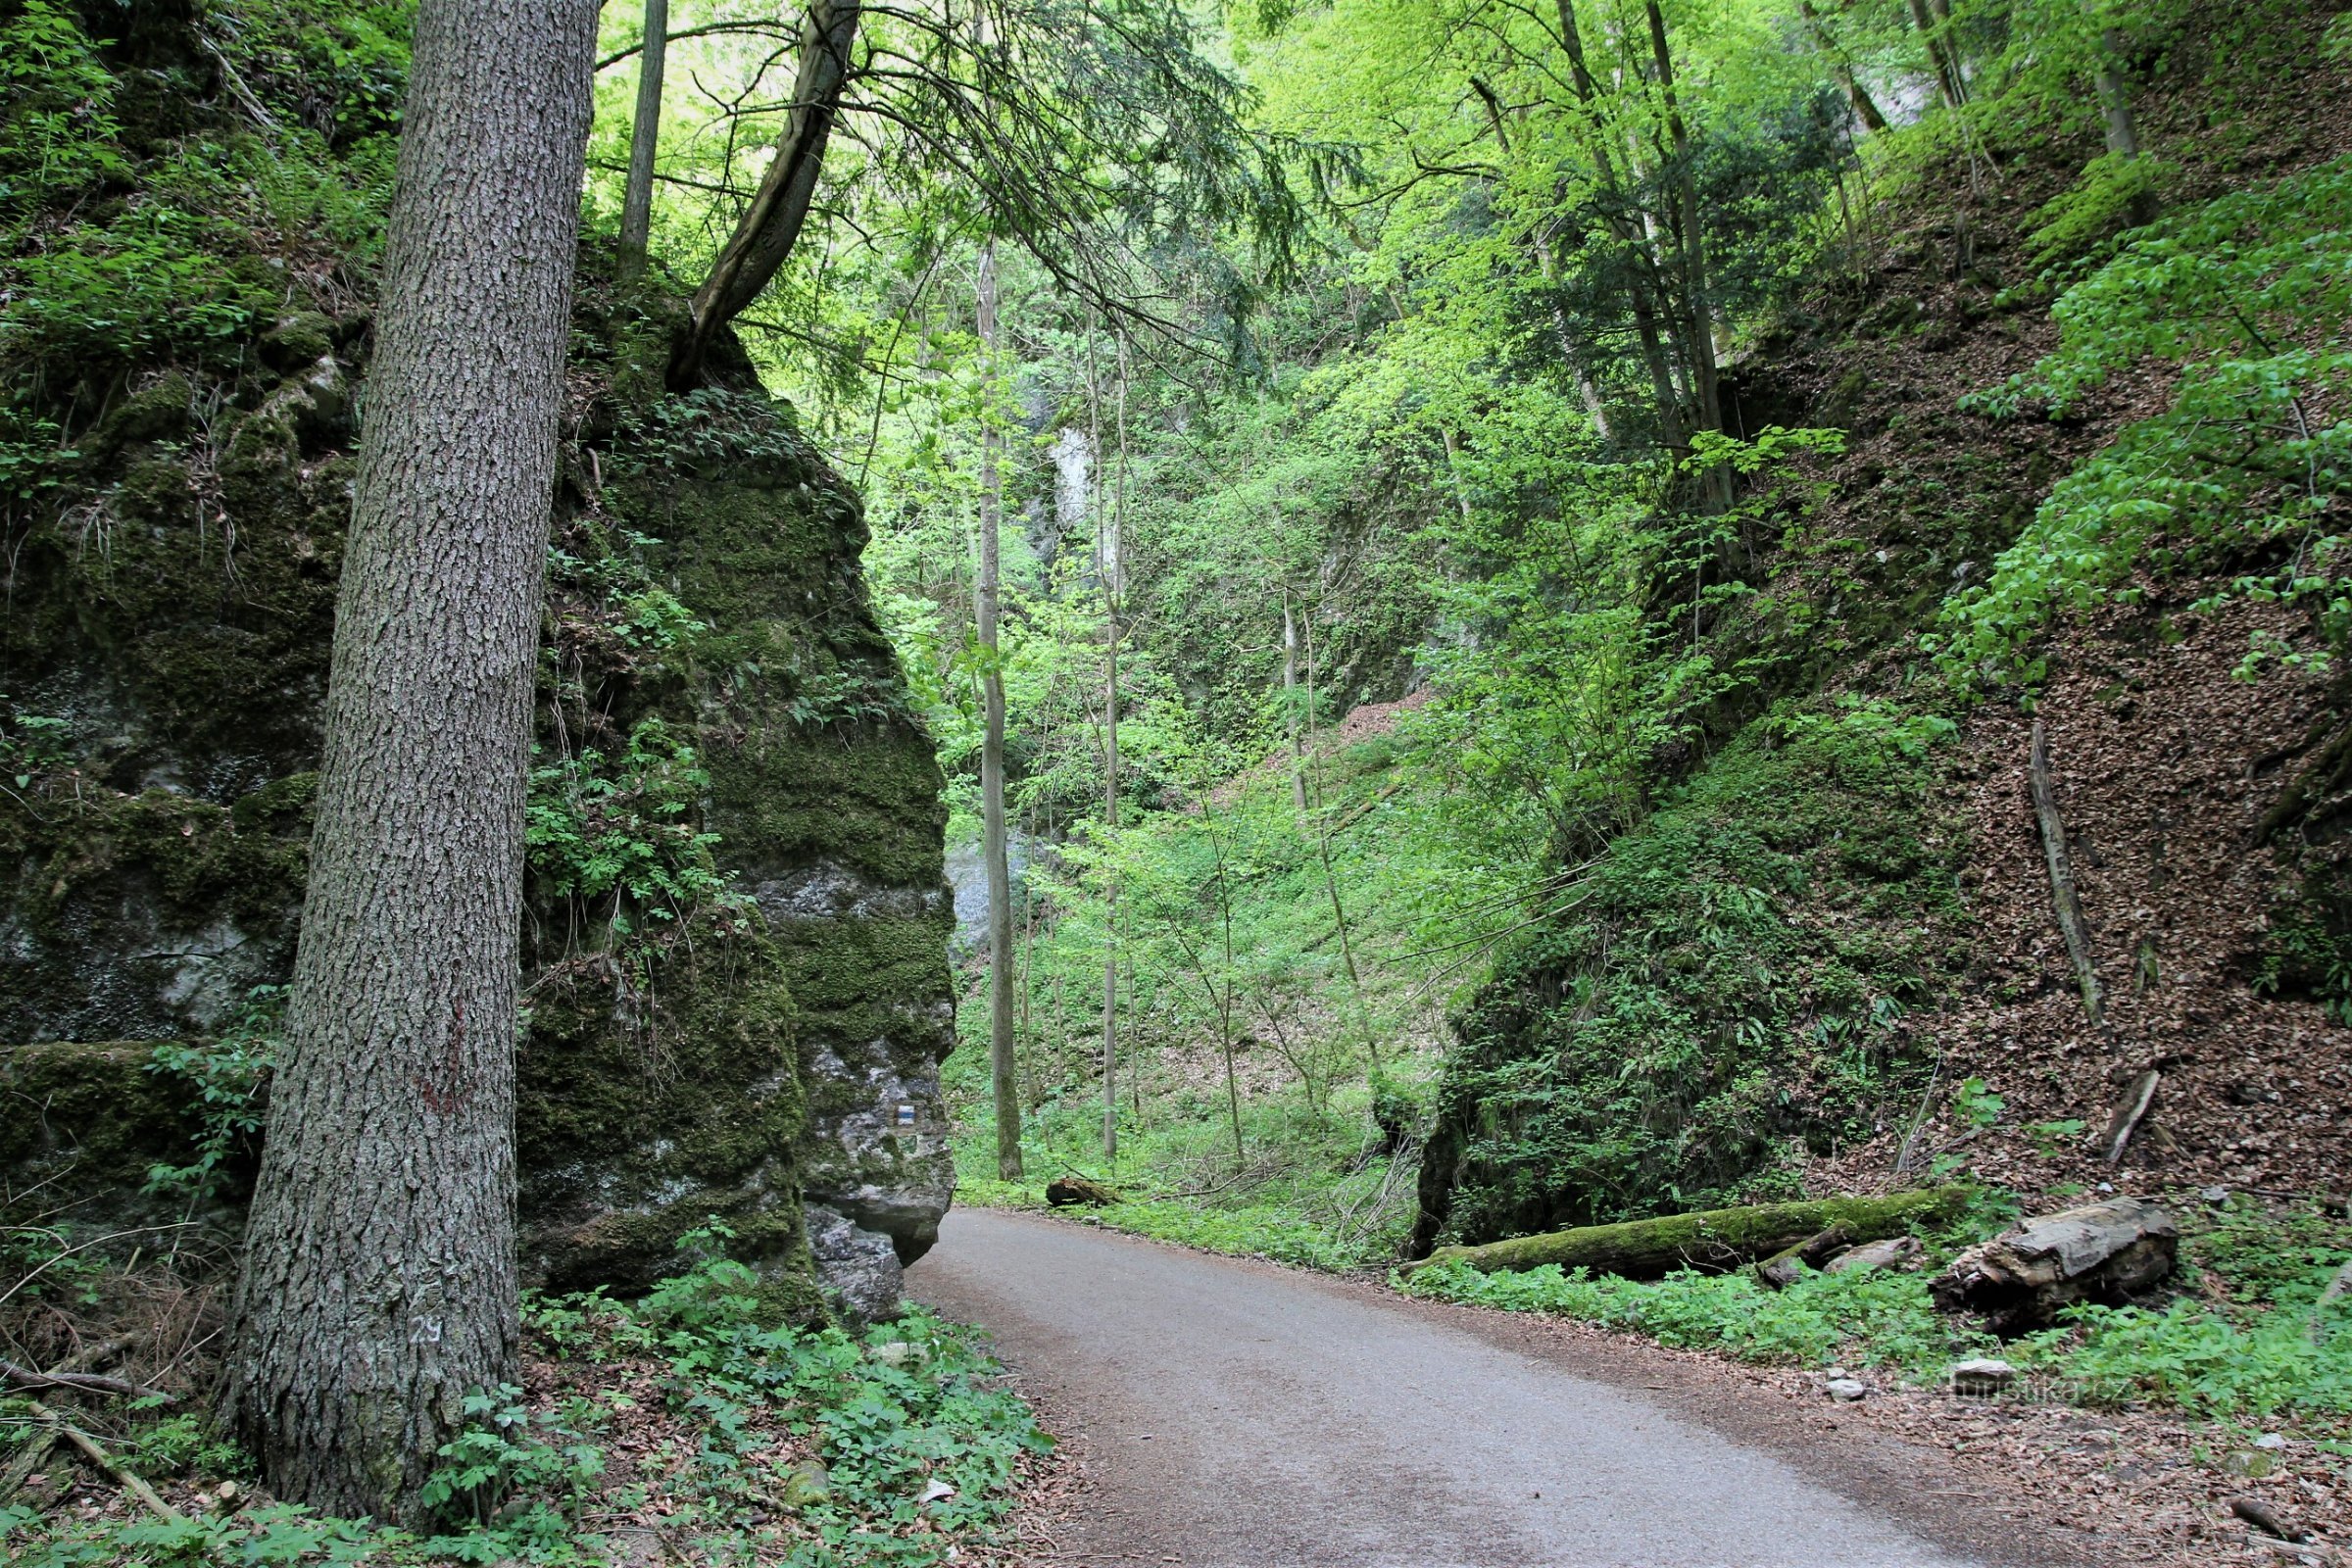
(771, 224)
(637, 197)
(1001, 1068)
(379, 1277)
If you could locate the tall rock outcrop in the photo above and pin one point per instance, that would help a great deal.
(735, 955)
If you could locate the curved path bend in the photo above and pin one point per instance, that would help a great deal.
(1233, 1414)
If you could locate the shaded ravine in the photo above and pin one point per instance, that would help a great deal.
(1236, 1415)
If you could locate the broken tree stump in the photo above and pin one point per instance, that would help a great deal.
(2021, 1279)
(1711, 1238)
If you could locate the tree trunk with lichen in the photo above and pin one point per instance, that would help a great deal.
(379, 1278)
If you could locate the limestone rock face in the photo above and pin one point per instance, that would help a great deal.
(857, 1269)
(707, 616)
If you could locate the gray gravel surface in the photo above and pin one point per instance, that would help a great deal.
(1231, 1415)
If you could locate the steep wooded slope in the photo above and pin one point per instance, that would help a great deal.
(1838, 926)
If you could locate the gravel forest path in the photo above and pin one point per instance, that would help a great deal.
(1231, 1415)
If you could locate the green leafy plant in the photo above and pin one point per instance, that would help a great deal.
(1862, 1317)
(507, 1450)
(619, 830)
(1974, 1102)
(228, 1075)
(2249, 464)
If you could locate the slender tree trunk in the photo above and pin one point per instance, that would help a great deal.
(1841, 68)
(379, 1278)
(1698, 296)
(1949, 83)
(1634, 250)
(1331, 880)
(1002, 1069)
(770, 226)
(637, 198)
(2121, 126)
(1289, 703)
(1453, 470)
(1109, 567)
(1224, 999)
(1548, 266)
(1110, 891)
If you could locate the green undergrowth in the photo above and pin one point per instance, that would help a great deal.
(2243, 477)
(2241, 1337)
(1724, 990)
(784, 1445)
(1872, 1318)
(1315, 1190)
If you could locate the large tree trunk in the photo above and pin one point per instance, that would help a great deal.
(637, 198)
(770, 226)
(380, 1279)
(1001, 1068)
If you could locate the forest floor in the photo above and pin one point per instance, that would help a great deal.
(1217, 1411)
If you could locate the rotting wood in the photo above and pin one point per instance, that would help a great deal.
(1783, 1268)
(1716, 1238)
(2137, 1096)
(2260, 1514)
(1066, 1191)
(2062, 874)
(60, 1426)
(2025, 1277)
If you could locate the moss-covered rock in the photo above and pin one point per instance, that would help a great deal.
(88, 1121)
(1728, 994)
(767, 1054)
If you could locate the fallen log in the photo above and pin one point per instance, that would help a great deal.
(2021, 1279)
(25, 1377)
(1064, 1192)
(66, 1431)
(1711, 1238)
